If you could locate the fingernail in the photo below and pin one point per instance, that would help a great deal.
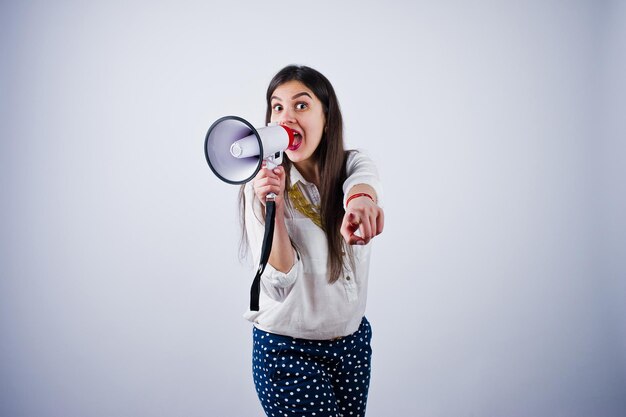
(276, 171)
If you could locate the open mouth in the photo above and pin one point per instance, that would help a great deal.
(297, 141)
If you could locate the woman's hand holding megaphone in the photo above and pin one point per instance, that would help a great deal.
(269, 181)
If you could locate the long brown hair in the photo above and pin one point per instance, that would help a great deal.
(330, 156)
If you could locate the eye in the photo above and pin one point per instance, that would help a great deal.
(301, 106)
(277, 107)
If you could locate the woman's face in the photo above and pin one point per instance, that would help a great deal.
(295, 106)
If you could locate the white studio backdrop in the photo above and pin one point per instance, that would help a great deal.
(497, 289)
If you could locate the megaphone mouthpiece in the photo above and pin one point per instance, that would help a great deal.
(291, 134)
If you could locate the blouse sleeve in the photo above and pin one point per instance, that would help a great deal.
(361, 170)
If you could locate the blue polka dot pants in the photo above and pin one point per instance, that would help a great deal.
(321, 378)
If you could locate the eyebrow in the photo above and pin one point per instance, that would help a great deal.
(304, 93)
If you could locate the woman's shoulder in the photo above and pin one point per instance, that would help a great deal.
(359, 158)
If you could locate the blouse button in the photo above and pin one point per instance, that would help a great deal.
(347, 278)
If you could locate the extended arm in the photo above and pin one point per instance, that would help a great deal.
(363, 213)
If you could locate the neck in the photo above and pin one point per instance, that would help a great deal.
(310, 171)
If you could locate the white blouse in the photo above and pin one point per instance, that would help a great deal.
(301, 303)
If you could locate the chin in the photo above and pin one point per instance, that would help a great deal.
(293, 156)
(299, 155)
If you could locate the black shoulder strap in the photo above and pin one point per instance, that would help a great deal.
(268, 236)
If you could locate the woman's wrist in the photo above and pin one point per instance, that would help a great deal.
(358, 195)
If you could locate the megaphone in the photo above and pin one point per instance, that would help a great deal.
(235, 150)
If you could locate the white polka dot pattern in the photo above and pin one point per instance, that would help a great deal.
(321, 378)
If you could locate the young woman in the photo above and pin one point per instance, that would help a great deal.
(312, 352)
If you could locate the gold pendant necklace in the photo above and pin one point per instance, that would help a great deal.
(304, 206)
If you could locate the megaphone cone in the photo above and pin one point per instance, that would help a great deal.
(235, 150)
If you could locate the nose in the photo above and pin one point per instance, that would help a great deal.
(286, 117)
